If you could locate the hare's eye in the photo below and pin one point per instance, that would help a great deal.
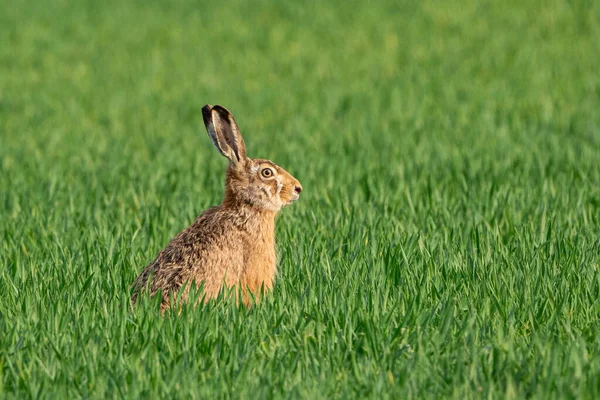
(267, 172)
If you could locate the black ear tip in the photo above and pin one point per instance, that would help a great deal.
(222, 111)
(206, 113)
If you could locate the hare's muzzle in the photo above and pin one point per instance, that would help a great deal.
(296, 194)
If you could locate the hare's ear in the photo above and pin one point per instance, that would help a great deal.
(224, 133)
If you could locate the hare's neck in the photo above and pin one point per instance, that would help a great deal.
(264, 231)
(250, 218)
(258, 221)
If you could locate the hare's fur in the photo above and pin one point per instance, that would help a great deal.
(232, 244)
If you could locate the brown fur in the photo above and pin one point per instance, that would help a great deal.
(232, 244)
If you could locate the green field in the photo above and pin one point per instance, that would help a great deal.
(446, 245)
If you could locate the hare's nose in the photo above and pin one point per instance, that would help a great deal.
(298, 189)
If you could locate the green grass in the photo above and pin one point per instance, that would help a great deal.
(447, 244)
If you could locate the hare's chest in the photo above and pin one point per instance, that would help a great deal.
(260, 265)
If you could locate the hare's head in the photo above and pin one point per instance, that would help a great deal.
(258, 182)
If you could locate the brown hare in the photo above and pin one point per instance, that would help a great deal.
(232, 244)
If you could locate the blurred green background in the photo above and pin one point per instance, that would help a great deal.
(447, 239)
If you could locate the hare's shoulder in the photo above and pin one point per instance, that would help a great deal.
(214, 231)
(203, 235)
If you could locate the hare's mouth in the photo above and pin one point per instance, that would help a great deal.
(294, 198)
